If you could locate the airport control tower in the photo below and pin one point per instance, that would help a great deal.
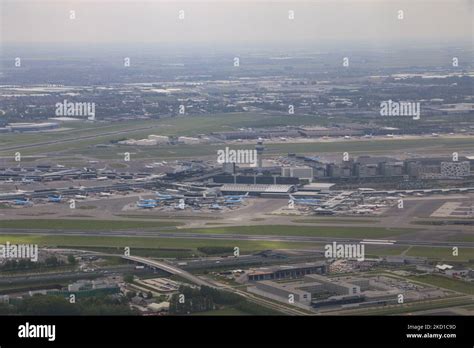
(259, 149)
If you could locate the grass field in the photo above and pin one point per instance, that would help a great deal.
(150, 243)
(442, 253)
(415, 307)
(222, 311)
(168, 126)
(282, 230)
(179, 247)
(85, 225)
(277, 230)
(462, 238)
(356, 147)
(377, 250)
(446, 283)
(329, 220)
(203, 125)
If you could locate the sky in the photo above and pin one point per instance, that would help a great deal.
(235, 22)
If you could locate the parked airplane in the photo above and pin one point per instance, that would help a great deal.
(80, 197)
(236, 196)
(372, 206)
(147, 204)
(18, 190)
(146, 200)
(22, 202)
(233, 200)
(180, 205)
(167, 197)
(362, 211)
(304, 201)
(322, 211)
(54, 198)
(215, 206)
(105, 194)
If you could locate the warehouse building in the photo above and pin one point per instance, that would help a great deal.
(286, 271)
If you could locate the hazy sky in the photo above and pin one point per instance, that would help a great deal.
(239, 22)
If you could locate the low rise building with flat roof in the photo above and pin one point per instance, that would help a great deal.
(286, 271)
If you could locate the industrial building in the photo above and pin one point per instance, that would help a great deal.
(298, 172)
(312, 284)
(286, 271)
(376, 167)
(318, 291)
(256, 189)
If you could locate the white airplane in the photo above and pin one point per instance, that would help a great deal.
(142, 179)
(18, 190)
(372, 206)
(105, 194)
(22, 202)
(180, 205)
(363, 211)
(80, 197)
(215, 206)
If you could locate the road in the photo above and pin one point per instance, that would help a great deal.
(214, 284)
(170, 269)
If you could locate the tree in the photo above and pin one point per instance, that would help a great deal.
(131, 294)
(47, 305)
(51, 261)
(71, 259)
(128, 278)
